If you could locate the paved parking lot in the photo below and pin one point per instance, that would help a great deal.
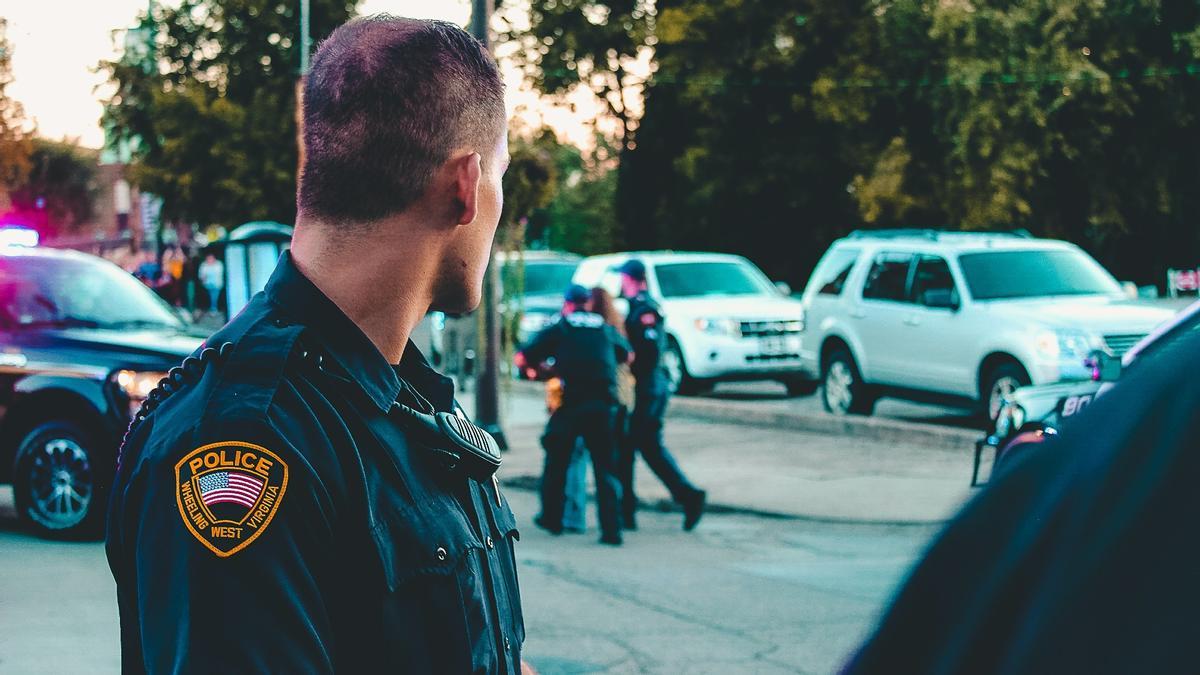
(741, 594)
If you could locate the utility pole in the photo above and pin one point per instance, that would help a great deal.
(487, 387)
(305, 47)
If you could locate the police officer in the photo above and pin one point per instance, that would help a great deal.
(304, 495)
(647, 334)
(586, 351)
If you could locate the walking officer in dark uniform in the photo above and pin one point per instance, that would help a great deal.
(586, 351)
(647, 334)
(304, 495)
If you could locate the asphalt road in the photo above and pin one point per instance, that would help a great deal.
(740, 594)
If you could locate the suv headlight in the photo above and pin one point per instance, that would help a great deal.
(719, 327)
(137, 385)
(1070, 344)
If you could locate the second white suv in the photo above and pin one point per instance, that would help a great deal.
(725, 319)
(959, 317)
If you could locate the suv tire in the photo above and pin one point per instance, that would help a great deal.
(60, 481)
(998, 382)
(678, 380)
(843, 391)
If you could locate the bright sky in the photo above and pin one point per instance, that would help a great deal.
(57, 44)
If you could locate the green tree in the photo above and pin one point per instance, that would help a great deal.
(732, 154)
(60, 186)
(796, 121)
(580, 218)
(208, 106)
(14, 140)
(1070, 118)
(592, 44)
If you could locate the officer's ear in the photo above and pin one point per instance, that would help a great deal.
(467, 171)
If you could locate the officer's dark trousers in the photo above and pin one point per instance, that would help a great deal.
(645, 437)
(593, 421)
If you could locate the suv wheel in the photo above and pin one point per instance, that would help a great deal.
(999, 384)
(56, 481)
(843, 391)
(678, 380)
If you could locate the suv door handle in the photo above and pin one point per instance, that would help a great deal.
(912, 321)
(858, 314)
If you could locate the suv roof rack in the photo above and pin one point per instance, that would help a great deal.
(934, 235)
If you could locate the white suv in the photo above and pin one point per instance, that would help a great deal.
(959, 317)
(725, 319)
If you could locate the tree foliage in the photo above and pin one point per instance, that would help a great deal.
(209, 109)
(60, 186)
(14, 139)
(580, 216)
(797, 120)
(592, 44)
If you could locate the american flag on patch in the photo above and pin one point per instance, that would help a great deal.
(226, 487)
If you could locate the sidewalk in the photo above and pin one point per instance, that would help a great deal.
(772, 469)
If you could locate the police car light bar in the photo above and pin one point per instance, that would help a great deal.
(18, 236)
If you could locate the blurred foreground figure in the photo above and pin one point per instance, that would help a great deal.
(304, 495)
(1080, 558)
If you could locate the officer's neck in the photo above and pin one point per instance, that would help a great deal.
(384, 287)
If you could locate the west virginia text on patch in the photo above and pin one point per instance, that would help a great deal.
(228, 493)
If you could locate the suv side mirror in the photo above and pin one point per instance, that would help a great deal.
(940, 298)
(784, 287)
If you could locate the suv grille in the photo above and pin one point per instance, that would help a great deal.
(1119, 344)
(758, 329)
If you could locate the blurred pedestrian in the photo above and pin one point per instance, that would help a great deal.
(212, 278)
(647, 333)
(586, 351)
(1079, 557)
(574, 510)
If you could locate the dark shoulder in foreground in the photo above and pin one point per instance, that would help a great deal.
(1078, 559)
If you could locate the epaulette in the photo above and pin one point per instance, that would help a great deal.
(190, 370)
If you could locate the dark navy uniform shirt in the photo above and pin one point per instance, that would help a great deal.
(271, 514)
(648, 335)
(586, 351)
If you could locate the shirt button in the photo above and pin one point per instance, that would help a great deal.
(441, 554)
(507, 644)
(490, 543)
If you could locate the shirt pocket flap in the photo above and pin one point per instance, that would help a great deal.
(415, 542)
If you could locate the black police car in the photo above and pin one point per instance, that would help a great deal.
(82, 343)
(1033, 413)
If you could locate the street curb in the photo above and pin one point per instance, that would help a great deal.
(882, 429)
(528, 483)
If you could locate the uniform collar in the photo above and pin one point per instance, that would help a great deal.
(344, 342)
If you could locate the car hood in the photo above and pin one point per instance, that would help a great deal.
(740, 307)
(169, 345)
(1099, 315)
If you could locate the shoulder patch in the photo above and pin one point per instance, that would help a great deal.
(649, 319)
(228, 493)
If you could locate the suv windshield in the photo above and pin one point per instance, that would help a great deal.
(695, 279)
(40, 292)
(541, 278)
(1000, 275)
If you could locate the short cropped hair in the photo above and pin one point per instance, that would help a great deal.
(385, 103)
